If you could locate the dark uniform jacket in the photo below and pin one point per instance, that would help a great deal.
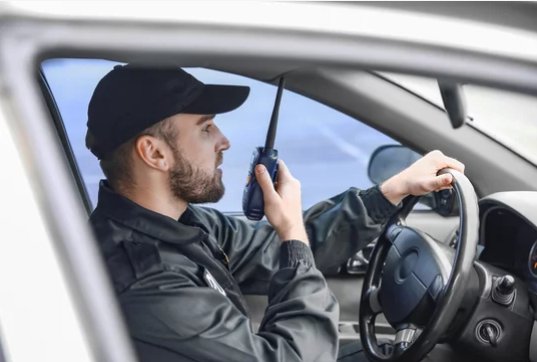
(181, 282)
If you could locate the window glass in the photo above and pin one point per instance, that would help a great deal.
(325, 149)
(505, 116)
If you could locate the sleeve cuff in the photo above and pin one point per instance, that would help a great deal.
(379, 208)
(294, 251)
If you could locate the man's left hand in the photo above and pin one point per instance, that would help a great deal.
(421, 178)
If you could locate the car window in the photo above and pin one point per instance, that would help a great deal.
(326, 150)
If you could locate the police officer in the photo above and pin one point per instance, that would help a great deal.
(180, 270)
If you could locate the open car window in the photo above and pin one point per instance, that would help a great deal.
(325, 149)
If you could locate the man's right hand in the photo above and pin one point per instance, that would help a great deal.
(283, 205)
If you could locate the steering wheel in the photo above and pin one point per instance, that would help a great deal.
(416, 281)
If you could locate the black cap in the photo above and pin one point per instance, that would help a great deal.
(133, 97)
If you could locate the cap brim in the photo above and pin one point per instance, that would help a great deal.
(217, 99)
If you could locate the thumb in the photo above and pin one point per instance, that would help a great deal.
(265, 182)
(442, 181)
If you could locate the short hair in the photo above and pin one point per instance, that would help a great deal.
(117, 165)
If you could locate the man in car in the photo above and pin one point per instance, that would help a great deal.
(181, 270)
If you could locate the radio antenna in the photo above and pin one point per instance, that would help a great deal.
(271, 134)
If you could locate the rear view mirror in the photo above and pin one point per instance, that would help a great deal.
(387, 161)
(454, 102)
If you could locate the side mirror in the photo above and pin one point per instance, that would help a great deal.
(389, 160)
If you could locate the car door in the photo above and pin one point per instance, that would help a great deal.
(35, 29)
(325, 149)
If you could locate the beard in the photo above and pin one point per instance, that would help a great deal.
(193, 184)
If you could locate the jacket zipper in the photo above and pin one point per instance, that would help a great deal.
(228, 275)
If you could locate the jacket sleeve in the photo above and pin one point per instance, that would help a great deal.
(170, 312)
(338, 228)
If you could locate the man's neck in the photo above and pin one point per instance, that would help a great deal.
(157, 202)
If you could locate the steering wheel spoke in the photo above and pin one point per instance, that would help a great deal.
(374, 302)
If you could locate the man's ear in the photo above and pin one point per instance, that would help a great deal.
(153, 152)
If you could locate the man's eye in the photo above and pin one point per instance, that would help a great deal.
(206, 128)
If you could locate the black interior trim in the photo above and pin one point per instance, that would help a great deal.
(64, 139)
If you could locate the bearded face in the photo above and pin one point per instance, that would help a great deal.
(193, 184)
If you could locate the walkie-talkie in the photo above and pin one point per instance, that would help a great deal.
(253, 204)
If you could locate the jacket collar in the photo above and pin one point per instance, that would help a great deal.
(187, 229)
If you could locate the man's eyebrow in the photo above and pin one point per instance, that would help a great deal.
(204, 119)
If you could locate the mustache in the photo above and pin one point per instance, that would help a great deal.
(219, 159)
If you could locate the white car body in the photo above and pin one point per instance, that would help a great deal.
(69, 313)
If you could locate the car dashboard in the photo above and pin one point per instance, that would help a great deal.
(507, 250)
(508, 233)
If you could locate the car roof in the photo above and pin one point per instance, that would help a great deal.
(513, 14)
(471, 27)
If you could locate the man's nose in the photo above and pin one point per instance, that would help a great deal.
(223, 145)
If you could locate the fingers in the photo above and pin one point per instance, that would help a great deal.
(284, 175)
(454, 164)
(448, 161)
(442, 182)
(265, 182)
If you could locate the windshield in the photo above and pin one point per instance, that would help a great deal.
(509, 118)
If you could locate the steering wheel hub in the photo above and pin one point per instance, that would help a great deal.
(417, 268)
(405, 266)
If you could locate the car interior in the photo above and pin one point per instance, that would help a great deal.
(494, 317)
